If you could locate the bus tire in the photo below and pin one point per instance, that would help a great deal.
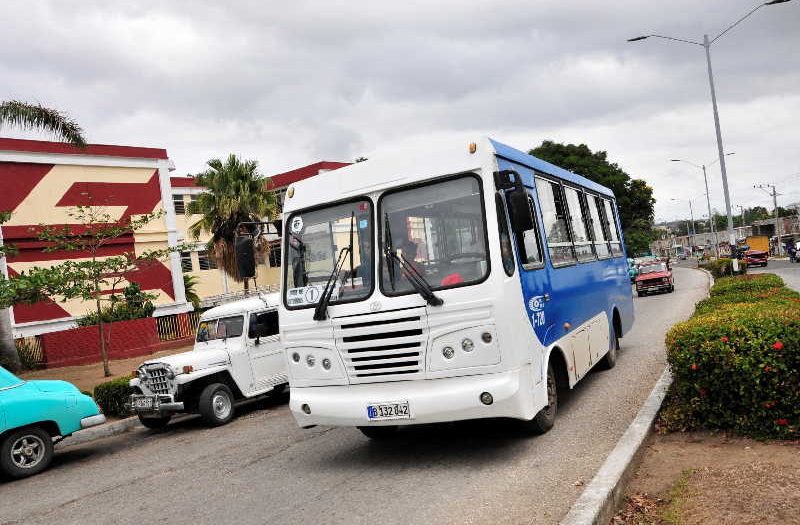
(546, 418)
(379, 433)
(609, 361)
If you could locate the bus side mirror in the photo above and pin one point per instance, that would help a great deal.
(245, 257)
(519, 210)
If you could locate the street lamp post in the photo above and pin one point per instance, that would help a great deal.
(708, 198)
(706, 44)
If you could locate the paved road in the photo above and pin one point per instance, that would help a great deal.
(262, 469)
(789, 272)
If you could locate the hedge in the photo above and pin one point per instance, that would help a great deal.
(722, 267)
(112, 396)
(736, 362)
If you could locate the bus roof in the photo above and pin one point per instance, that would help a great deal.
(411, 165)
(515, 155)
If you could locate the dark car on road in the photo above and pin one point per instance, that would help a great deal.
(756, 258)
(654, 277)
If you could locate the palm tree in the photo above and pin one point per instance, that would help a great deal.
(190, 288)
(21, 115)
(235, 192)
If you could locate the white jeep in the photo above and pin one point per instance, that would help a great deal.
(237, 355)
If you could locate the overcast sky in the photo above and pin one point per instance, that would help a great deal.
(290, 83)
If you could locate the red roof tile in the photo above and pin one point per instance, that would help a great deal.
(284, 179)
(105, 150)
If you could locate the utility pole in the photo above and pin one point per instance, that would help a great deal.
(774, 194)
(741, 209)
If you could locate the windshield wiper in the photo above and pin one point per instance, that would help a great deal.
(406, 268)
(321, 311)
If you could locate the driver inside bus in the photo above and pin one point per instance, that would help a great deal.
(364, 268)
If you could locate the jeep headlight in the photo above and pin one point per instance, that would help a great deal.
(170, 373)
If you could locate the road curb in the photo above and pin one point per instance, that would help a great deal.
(598, 502)
(101, 431)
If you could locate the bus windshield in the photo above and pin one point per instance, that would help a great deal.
(314, 242)
(439, 230)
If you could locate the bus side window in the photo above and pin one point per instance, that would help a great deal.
(531, 245)
(506, 254)
(599, 227)
(580, 225)
(554, 216)
(611, 221)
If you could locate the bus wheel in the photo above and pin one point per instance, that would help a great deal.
(544, 420)
(379, 432)
(610, 359)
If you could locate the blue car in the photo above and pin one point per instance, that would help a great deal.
(35, 414)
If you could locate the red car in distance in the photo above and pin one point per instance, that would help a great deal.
(654, 277)
(756, 258)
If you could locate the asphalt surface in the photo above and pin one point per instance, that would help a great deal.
(261, 468)
(789, 272)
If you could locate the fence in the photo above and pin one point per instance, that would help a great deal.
(177, 326)
(30, 351)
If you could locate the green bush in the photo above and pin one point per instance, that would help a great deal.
(736, 364)
(767, 289)
(112, 396)
(722, 267)
(135, 304)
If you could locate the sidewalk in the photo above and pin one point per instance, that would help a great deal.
(86, 377)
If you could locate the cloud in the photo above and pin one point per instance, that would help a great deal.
(293, 83)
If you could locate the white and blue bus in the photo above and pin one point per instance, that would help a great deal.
(438, 286)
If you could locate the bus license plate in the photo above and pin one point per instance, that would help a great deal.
(397, 410)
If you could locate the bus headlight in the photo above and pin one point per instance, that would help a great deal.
(326, 364)
(448, 352)
(467, 345)
(296, 357)
(310, 360)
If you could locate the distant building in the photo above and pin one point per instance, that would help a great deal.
(42, 181)
(213, 284)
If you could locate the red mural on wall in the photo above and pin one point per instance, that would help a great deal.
(139, 198)
(20, 178)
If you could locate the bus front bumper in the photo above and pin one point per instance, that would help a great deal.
(429, 400)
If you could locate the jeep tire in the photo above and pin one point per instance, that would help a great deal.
(155, 423)
(216, 404)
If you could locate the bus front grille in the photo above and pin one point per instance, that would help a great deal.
(388, 346)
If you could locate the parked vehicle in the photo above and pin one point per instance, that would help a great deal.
(756, 258)
(237, 355)
(34, 415)
(654, 278)
(462, 282)
(633, 270)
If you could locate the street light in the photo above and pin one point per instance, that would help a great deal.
(706, 44)
(708, 197)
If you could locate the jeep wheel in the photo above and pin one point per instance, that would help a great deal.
(154, 422)
(26, 452)
(216, 404)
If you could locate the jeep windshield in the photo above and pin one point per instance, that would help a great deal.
(222, 328)
(315, 240)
